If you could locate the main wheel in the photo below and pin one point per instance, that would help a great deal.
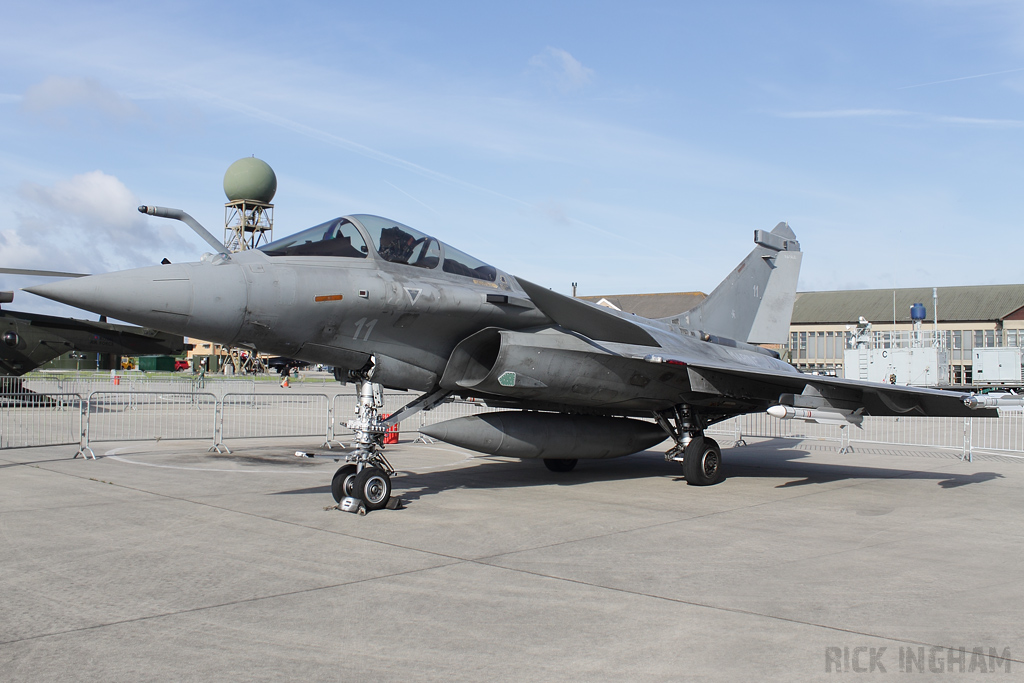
(702, 462)
(341, 485)
(373, 486)
(560, 464)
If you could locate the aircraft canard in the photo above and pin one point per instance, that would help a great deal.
(576, 378)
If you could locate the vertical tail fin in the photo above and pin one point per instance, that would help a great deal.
(755, 302)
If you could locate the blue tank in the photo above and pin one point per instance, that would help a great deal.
(918, 312)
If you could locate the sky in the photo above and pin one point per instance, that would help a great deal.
(628, 147)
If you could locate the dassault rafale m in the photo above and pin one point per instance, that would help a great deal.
(387, 305)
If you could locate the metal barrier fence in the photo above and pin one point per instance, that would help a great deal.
(148, 416)
(262, 415)
(234, 409)
(965, 434)
(35, 420)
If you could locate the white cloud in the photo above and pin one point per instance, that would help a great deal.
(565, 70)
(89, 223)
(843, 113)
(961, 78)
(891, 113)
(58, 93)
(974, 121)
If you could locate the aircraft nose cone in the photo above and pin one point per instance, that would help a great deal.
(159, 297)
(189, 299)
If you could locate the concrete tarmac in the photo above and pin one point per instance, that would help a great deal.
(160, 561)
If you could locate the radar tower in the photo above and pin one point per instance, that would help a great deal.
(250, 185)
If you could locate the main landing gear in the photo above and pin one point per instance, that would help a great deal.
(700, 455)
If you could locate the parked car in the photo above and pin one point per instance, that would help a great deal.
(181, 365)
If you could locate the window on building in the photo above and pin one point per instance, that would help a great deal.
(830, 345)
(979, 339)
(802, 351)
(821, 345)
(1011, 337)
(968, 343)
(990, 338)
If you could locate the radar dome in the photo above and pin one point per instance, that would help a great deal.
(250, 178)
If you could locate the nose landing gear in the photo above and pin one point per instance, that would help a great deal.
(366, 475)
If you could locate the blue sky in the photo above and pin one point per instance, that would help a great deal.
(630, 147)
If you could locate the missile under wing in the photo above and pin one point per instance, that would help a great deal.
(388, 305)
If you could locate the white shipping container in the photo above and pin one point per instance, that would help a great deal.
(998, 366)
(920, 367)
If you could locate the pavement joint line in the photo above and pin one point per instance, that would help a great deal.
(514, 552)
(15, 463)
(120, 458)
(257, 516)
(712, 513)
(722, 608)
(230, 603)
(680, 601)
(481, 562)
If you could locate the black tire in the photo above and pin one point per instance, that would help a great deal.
(560, 464)
(702, 462)
(341, 485)
(373, 485)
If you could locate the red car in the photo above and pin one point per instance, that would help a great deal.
(181, 365)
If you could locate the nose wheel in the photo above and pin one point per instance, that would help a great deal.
(373, 485)
(341, 485)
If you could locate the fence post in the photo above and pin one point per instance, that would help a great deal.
(968, 436)
(329, 436)
(739, 432)
(218, 426)
(84, 449)
(844, 440)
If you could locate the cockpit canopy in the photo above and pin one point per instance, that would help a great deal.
(401, 244)
(391, 240)
(338, 237)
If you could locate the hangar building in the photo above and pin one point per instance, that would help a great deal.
(824, 323)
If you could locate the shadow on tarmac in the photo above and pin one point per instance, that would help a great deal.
(774, 459)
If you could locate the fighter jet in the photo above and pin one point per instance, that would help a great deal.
(388, 305)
